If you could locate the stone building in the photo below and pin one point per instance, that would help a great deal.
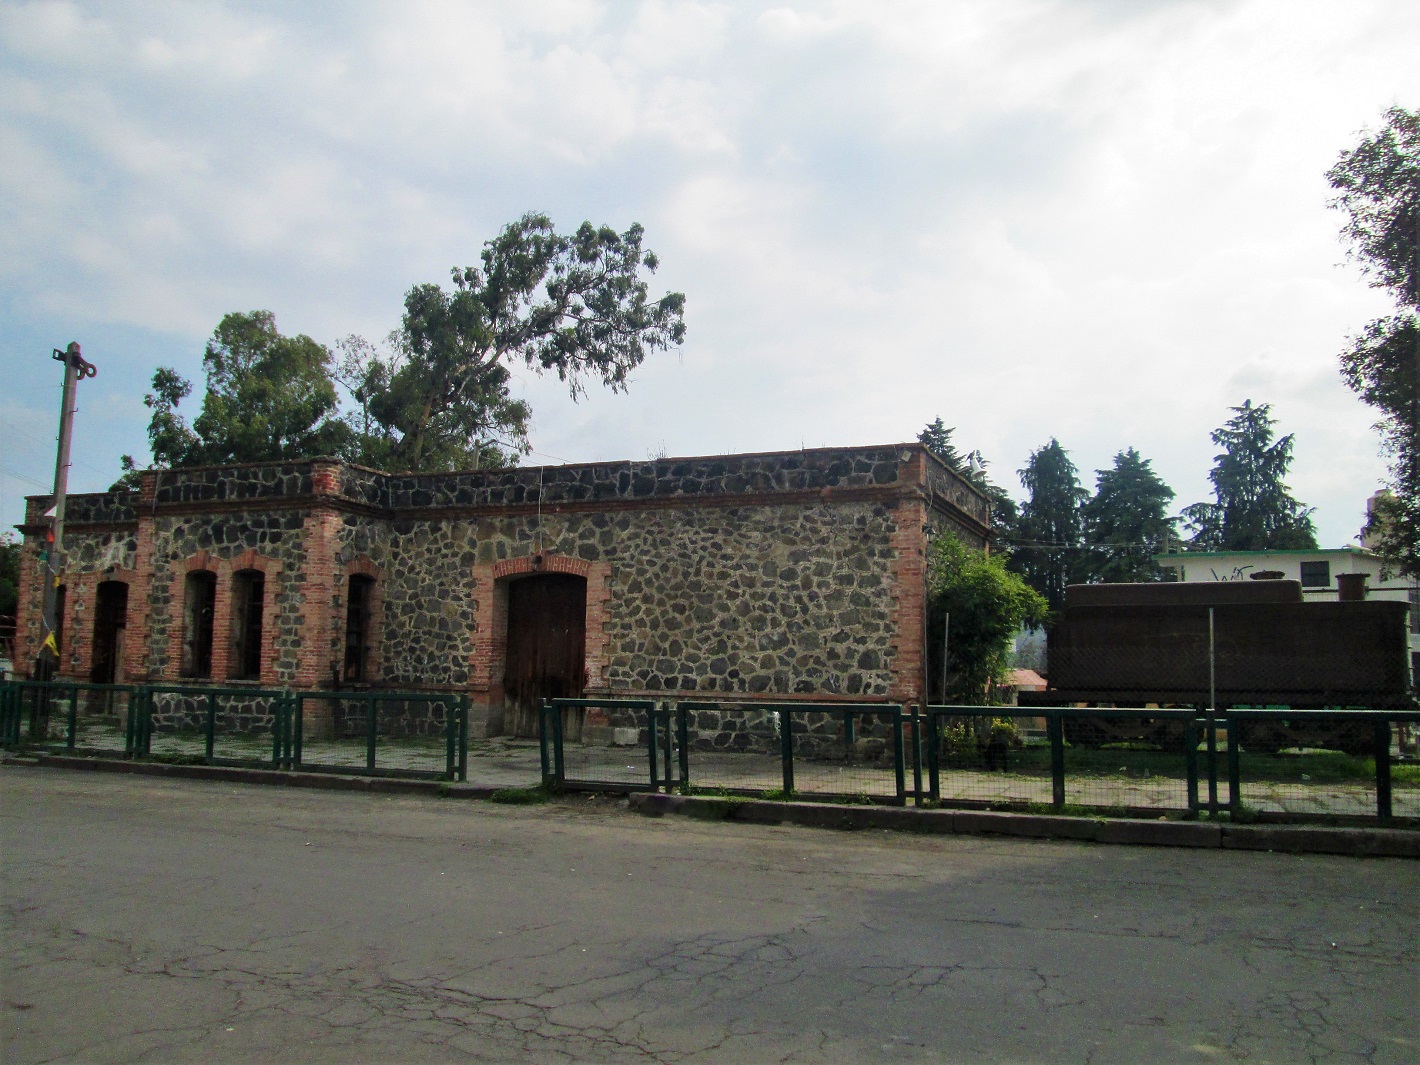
(791, 575)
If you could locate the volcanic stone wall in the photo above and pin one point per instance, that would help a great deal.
(765, 599)
(782, 575)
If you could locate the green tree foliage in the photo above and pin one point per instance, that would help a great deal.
(575, 305)
(436, 395)
(1253, 509)
(269, 398)
(1050, 530)
(9, 574)
(1378, 186)
(987, 604)
(1126, 522)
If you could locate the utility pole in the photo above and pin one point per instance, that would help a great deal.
(52, 555)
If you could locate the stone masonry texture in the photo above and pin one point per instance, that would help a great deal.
(794, 575)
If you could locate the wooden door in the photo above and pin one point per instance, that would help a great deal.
(546, 659)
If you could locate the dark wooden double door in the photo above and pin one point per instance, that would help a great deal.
(546, 656)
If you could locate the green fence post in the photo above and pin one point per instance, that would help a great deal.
(899, 760)
(1055, 731)
(463, 739)
(451, 732)
(1234, 768)
(73, 723)
(142, 724)
(668, 738)
(1383, 808)
(371, 710)
(1211, 726)
(544, 743)
(130, 726)
(559, 766)
(786, 749)
(211, 726)
(683, 736)
(1190, 759)
(916, 720)
(653, 741)
(934, 761)
(278, 725)
(298, 736)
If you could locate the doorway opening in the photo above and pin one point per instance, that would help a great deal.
(546, 650)
(110, 620)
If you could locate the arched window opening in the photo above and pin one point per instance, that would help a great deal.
(110, 620)
(248, 594)
(199, 608)
(357, 628)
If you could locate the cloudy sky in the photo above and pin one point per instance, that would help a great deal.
(1101, 220)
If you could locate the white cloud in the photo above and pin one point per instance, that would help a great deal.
(1099, 221)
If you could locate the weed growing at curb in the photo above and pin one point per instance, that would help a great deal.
(520, 796)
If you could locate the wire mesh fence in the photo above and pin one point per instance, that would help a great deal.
(608, 743)
(215, 726)
(422, 734)
(838, 751)
(732, 749)
(1114, 760)
(1314, 764)
(70, 716)
(418, 734)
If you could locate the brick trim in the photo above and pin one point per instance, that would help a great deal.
(360, 566)
(82, 597)
(909, 570)
(490, 627)
(226, 569)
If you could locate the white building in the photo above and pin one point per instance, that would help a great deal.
(1317, 570)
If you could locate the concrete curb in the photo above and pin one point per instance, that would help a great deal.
(1296, 839)
(284, 778)
(1293, 839)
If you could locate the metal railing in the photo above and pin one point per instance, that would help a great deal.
(1242, 763)
(239, 726)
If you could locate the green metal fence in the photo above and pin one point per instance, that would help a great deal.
(407, 734)
(1271, 764)
(637, 749)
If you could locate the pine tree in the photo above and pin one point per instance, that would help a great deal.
(1126, 522)
(1253, 509)
(1049, 532)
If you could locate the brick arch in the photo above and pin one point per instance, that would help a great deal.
(542, 562)
(361, 566)
(225, 569)
(490, 627)
(77, 625)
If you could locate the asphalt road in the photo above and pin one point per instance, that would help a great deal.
(151, 920)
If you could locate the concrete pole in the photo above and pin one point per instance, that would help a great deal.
(75, 368)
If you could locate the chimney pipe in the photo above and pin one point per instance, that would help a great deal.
(1351, 587)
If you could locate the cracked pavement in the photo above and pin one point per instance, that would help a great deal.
(155, 920)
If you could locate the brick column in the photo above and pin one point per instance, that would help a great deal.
(137, 650)
(319, 593)
(909, 570)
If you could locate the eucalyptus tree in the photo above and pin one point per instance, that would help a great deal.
(1378, 187)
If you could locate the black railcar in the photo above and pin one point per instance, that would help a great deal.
(1226, 644)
